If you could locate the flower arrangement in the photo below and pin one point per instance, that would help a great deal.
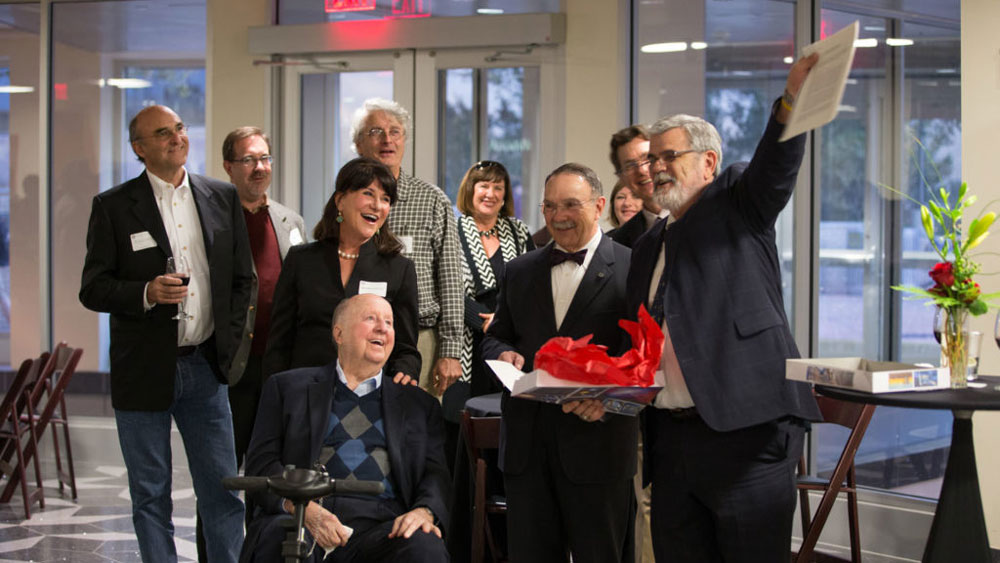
(953, 289)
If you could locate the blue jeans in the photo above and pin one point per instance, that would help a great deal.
(201, 411)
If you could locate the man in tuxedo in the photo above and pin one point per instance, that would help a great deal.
(567, 470)
(630, 156)
(163, 368)
(273, 229)
(360, 425)
(724, 436)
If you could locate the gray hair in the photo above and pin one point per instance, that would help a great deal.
(582, 171)
(702, 135)
(372, 105)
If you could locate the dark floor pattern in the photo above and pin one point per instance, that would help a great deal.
(97, 527)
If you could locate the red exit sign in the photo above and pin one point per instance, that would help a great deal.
(349, 5)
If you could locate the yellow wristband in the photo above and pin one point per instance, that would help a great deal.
(785, 104)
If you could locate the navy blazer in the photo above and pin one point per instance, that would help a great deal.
(309, 289)
(723, 302)
(144, 343)
(291, 425)
(591, 452)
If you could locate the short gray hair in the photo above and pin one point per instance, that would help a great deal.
(372, 105)
(582, 171)
(702, 135)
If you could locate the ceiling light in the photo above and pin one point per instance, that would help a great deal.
(16, 89)
(489, 11)
(673, 47)
(788, 60)
(128, 83)
(946, 71)
(898, 42)
(867, 42)
(699, 45)
(874, 28)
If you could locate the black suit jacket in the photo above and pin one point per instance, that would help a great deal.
(309, 289)
(591, 452)
(291, 425)
(629, 233)
(144, 343)
(723, 303)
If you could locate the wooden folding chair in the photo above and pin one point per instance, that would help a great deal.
(55, 386)
(855, 417)
(482, 433)
(63, 361)
(12, 432)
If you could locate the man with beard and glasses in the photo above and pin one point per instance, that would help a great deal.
(726, 432)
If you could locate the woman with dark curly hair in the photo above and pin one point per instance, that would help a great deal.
(354, 253)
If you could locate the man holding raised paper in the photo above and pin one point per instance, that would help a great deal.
(727, 429)
(567, 469)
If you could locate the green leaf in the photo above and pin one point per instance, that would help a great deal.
(962, 190)
(974, 242)
(977, 307)
(935, 211)
(987, 220)
(925, 218)
(944, 196)
(972, 199)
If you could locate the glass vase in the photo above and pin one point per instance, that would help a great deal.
(953, 344)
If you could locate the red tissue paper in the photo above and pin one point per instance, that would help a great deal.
(579, 360)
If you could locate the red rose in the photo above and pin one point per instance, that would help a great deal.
(942, 274)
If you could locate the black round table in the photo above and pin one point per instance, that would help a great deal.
(959, 529)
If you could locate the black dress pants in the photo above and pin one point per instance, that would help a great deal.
(722, 496)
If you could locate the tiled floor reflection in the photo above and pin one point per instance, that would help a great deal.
(97, 527)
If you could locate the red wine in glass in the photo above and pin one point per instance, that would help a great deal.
(182, 271)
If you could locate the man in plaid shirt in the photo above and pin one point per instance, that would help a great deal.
(423, 219)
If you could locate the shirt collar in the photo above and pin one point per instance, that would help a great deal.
(365, 387)
(162, 187)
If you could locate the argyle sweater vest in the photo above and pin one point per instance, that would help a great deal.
(356, 435)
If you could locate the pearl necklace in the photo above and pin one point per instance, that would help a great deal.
(347, 256)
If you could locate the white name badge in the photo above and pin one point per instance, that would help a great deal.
(375, 288)
(142, 241)
(295, 237)
(407, 244)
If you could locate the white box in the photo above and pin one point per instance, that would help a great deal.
(867, 375)
(540, 386)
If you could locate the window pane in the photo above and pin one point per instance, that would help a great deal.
(729, 68)
(329, 101)
(110, 59)
(19, 250)
(312, 11)
(458, 128)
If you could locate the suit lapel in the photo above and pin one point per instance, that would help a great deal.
(282, 228)
(394, 413)
(320, 400)
(541, 288)
(148, 213)
(598, 273)
(206, 213)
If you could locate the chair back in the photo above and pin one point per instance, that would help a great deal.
(481, 433)
(10, 398)
(64, 360)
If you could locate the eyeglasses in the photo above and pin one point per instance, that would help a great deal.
(164, 133)
(633, 166)
(668, 156)
(570, 206)
(251, 161)
(483, 164)
(394, 133)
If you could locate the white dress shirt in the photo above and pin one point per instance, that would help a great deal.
(365, 387)
(675, 394)
(183, 226)
(566, 278)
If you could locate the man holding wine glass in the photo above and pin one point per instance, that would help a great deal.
(174, 329)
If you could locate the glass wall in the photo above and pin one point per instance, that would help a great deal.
(109, 60)
(313, 11)
(19, 98)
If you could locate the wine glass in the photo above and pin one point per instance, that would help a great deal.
(182, 270)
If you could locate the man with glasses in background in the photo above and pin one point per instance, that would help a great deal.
(630, 157)
(424, 221)
(273, 229)
(164, 368)
(567, 469)
(723, 437)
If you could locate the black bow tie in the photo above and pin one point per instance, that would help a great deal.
(557, 256)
